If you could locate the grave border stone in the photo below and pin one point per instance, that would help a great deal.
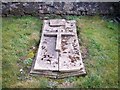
(52, 73)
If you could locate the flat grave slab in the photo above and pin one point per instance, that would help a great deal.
(59, 51)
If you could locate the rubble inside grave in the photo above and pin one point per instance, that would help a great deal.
(59, 53)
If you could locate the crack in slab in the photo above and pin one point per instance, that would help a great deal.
(58, 54)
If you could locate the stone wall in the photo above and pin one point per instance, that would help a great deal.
(62, 8)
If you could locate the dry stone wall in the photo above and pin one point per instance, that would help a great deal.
(76, 8)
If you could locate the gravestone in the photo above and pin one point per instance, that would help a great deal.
(59, 51)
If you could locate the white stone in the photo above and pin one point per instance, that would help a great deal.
(58, 22)
(59, 47)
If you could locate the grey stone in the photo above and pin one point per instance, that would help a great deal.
(81, 9)
(38, 8)
(59, 49)
(68, 6)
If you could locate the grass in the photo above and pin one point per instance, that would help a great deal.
(21, 35)
(101, 39)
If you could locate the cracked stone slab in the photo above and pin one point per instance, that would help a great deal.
(59, 49)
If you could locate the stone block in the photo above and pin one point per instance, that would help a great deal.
(59, 51)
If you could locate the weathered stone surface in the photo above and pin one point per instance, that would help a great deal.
(77, 8)
(59, 50)
(57, 22)
(70, 56)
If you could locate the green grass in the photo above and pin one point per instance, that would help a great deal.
(99, 36)
(19, 35)
(101, 39)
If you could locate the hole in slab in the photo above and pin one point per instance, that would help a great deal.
(64, 52)
(81, 68)
(56, 30)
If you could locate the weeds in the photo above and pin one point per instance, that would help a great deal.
(21, 37)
